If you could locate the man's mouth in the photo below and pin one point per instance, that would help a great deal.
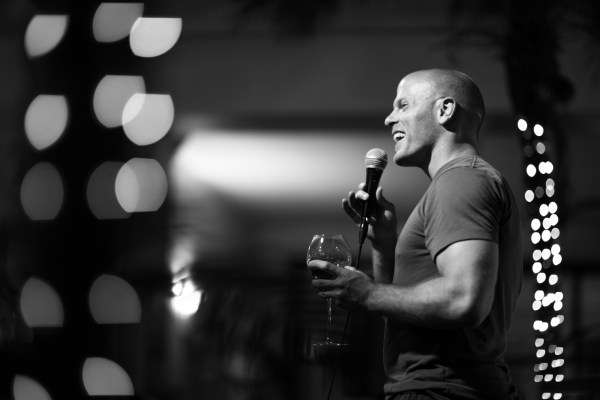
(398, 136)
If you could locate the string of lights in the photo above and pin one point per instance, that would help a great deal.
(546, 258)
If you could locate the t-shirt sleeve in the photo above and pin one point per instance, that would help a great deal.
(463, 204)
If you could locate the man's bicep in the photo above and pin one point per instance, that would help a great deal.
(472, 268)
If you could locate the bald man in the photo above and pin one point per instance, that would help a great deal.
(448, 283)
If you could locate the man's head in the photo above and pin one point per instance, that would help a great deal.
(432, 106)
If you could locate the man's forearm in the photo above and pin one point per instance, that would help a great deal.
(383, 261)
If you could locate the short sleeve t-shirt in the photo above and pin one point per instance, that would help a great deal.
(466, 200)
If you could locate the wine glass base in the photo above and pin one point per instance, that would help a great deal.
(328, 351)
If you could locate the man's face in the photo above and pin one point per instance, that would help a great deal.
(413, 122)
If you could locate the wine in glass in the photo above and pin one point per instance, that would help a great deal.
(334, 249)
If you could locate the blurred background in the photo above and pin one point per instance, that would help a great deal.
(164, 165)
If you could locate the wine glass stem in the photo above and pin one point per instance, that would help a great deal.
(328, 340)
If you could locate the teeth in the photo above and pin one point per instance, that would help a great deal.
(399, 136)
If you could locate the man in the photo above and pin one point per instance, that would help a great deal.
(448, 283)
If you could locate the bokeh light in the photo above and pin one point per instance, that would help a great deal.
(538, 130)
(186, 298)
(148, 117)
(152, 37)
(101, 196)
(25, 388)
(522, 125)
(42, 192)
(114, 21)
(112, 94)
(45, 120)
(44, 33)
(40, 305)
(141, 185)
(114, 301)
(103, 377)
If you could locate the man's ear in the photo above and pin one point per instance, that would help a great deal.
(446, 110)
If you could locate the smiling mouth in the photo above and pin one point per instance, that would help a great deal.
(398, 136)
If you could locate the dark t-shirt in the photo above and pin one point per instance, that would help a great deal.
(467, 199)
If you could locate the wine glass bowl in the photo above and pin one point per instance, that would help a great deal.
(333, 249)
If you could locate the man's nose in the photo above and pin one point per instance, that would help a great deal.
(390, 119)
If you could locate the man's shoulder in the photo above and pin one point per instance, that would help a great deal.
(467, 168)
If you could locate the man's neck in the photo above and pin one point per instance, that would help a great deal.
(443, 154)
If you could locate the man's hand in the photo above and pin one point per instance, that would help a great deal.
(382, 226)
(348, 287)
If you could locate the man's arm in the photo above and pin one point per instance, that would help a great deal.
(460, 295)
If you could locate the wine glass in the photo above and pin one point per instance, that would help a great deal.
(334, 249)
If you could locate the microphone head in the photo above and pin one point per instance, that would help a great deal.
(376, 158)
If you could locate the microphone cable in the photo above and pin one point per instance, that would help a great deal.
(339, 352)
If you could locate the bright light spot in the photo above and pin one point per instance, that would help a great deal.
(540, 326)
(559, 296)
(549, 167)
(539, 342)
(546, 254)
(535, 224)
(546, 395)
(543, 210)
(147, 118)
(542, 167)
(537, 254)
(101, 196)
(546, 235)
(559, 350)
(111, 96)
(555, 233)
(558, 305)
(538, 378)
(538, 130)
(113, 21)
(44, 33)
(540, 148)
(25, 388)
(186, 299)
(531, 170)
(557, 396)
(540, 353)
(103, 377)
(141, 185)
(558, 363)
(151, 37)
(553, 219)
(557, 259)
(553, 207)
(522, 125)
(539, 294)
(45, 120)
(536, 267)
(548, 300)
(553, 279)
(541, 277)
(546, 223)
(560, 377)
(529, 196)
(536, 305)
(535, 237)
(40, 305)
(114, 301)
(550, 191)
(555, 321)
(42, 192)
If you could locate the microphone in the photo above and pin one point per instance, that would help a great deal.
(375, 161)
